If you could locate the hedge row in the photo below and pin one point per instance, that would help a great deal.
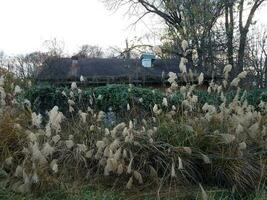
(117, 97)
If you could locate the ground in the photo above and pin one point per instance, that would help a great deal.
(91, 193)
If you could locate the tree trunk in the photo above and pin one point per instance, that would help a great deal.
(265, 68)
(241, 51)
(243, 30)
(229, 26)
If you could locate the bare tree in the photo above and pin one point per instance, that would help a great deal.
(26, 66)
(163, 8)
(90, 51)
(54, 47)
(196, 21)
(189, 20)
(256, 57)
(133, 48)
(244, 28)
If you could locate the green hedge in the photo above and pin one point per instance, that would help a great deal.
(43, 98)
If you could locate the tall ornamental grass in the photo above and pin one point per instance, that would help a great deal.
(181, 144)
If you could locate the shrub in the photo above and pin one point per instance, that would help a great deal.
(187, 137)
(44, 98)
(13, 136)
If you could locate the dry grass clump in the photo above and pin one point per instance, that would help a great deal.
(183, 144)
(12, 136)
(13, 123)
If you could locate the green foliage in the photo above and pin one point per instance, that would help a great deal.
(99, 194)
(45, 97)
(83, 194)
(175, 133)
(187, 146)
(253, 97)
(116, 96)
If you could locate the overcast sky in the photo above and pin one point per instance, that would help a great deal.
(26, 24)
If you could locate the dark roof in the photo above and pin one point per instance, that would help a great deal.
(99, 69)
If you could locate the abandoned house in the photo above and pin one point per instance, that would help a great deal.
(146, 71)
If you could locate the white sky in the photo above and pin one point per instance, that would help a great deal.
(26, 24)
